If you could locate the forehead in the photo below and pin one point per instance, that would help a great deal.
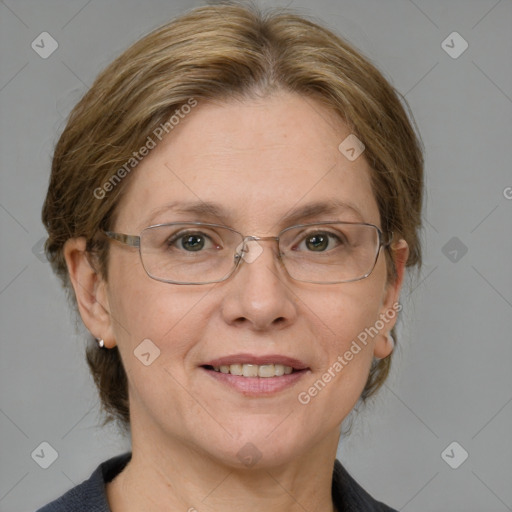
(254, 162)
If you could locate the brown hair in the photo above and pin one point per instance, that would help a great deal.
(221, 52)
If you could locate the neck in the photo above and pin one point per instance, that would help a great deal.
(179, 477)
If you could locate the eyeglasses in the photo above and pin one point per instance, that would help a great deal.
(202, 253)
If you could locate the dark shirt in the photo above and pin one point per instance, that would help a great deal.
(90, 496)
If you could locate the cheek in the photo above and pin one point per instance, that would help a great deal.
(167, 317)
(143, 308)
(344, 313)
(347, 318)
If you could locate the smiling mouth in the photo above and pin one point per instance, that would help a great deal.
(264, 371)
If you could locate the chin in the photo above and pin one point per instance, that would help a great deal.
(257, 447)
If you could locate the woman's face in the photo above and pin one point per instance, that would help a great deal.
(258, 161)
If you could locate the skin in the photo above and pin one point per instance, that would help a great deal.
(258, 158)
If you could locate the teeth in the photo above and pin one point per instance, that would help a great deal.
(250, 370)
(236, 369)
(255, 370)
(266, 370)
(279, 370)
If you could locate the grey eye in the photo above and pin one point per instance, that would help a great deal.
(192, 242)
(318, 242)
(321, 241)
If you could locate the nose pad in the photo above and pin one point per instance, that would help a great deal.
(248, 250)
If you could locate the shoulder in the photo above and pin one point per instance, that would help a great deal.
(90, 496)
(349, 496)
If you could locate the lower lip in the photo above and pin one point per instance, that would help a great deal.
(257, 386)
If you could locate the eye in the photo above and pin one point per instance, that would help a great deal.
(321, 241)
(191, 241)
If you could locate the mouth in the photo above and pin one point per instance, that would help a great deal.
(256, 375)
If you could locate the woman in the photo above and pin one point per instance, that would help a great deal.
(233, 205)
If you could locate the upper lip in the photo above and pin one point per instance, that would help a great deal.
(296, 364)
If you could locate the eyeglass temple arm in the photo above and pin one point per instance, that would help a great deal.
(131, 240)
(387, 239)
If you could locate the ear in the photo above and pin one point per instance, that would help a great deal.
(90, 291)
(390, 305)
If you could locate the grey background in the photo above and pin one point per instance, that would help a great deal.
(452, 378)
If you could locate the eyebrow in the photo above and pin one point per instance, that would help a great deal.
(209, 209)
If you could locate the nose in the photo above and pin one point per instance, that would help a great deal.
(259, 294)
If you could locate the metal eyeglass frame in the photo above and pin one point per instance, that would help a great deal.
(134, 241)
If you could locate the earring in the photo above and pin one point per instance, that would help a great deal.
(101, 343)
